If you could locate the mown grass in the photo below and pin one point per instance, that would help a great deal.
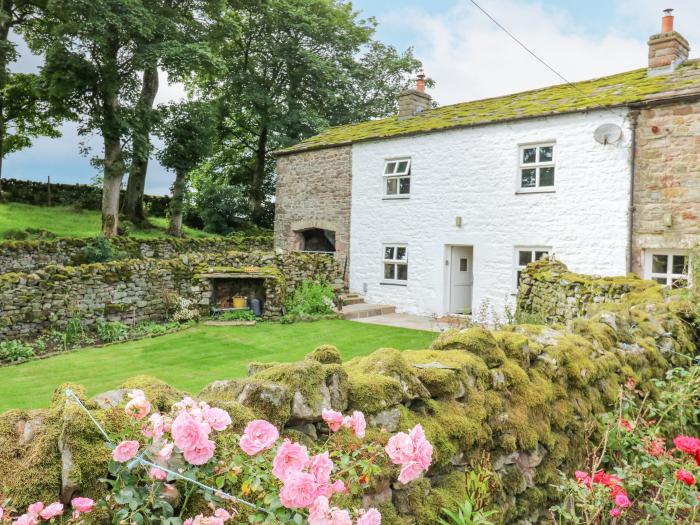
(65, 221)
(191, 359)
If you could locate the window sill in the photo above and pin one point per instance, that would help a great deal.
(397, 198)
(535, 190)
(391, 283)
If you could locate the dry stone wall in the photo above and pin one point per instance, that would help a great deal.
(81, 196)
(520, 400)
(28, 256)
(138, 290)
(553, 294)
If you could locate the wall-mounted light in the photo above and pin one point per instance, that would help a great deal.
(668, 220)
(458, 221)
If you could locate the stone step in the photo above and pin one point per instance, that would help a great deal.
(347, 301)
(361, 310)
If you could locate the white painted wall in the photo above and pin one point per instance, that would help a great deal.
(473, 173)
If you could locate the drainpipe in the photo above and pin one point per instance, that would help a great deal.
(634, 115)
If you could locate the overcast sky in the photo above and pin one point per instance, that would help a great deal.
(466, 54)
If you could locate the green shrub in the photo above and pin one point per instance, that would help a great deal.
(151, 328)
(311, 299)
(99, 249)
(237, 315)
(15, 351)
(109, 332)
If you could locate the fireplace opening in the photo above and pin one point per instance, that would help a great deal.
(237, 293)
(317, 240)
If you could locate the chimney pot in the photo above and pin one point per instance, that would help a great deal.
(413, 101)
(668, 49)
(420, 82)
(667, 21)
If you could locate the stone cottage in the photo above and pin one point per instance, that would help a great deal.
(437, 210)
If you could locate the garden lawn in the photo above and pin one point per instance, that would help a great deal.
(193, 358)
(66, 222)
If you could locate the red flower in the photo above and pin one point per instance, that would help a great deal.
(687, 444)
(655, 447)
(685, 476)
(625, 425)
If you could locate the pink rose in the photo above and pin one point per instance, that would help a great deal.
(155, 428)
(218, 419)
(423, 453)
(165, 452)
(299, 490)
(125, 451)
(258, 436)
(321, 467)
(53, 510)
(339, 487)
(318, 511)
(188, 433)
(138, 407)
(157, 474)
(687, 444)
(26, 519)
(369, 517)
(410, 471)
(399, 448)
(615, 512)
(222, 514)
(188, 521)
(200, 454)
(82, 505)
(622, 501)
(358, 424)
(187, 403)
(333, 418)
(35, 508)
(2, 512)
(290, 458)
(340, 517)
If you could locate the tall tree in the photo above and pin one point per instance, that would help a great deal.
(288, 68)
(95, 52)
(187, 130)
(24, 113)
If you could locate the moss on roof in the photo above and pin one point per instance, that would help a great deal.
(606, 92)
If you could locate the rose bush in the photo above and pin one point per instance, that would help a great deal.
(258, 477)
(54, 513)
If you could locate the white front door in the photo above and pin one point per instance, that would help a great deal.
(461, 274)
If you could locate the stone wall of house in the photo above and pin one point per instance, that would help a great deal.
(553, 294)
(667, 180)
(81, 196)
(28, 256)
(519, 401)
(138, 290)
(314, 191)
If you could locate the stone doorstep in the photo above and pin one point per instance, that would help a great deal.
(362, 310)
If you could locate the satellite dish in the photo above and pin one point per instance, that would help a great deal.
(608, 134)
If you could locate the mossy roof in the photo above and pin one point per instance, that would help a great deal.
(622, 89)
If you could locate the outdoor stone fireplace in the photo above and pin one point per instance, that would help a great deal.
(229, 287)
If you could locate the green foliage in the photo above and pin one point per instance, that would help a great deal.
(466, 515)
(109, 332)
(311, 299)
(15, 351)
(28, 233)
(237, 315)
(217, 206)
(100, 249)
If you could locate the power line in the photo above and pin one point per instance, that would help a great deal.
(542, 61)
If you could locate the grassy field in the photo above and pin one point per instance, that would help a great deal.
(193, 358)
(66, 222)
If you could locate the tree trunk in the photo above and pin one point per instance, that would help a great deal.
(257, 193)
(177, 203)
(4, 60)
(133, 202)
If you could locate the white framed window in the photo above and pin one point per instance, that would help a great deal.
(524, 255)
(667, 267)
(397, 178)
(395, 263)
(536, 169)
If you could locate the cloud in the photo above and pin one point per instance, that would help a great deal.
(471, 58)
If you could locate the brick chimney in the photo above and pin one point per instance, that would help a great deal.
(413, 101)
(668, 49)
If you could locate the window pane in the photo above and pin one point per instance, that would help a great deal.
(529, 155)
(389, 271)
(540, 255)
(388, 253)
(391, 186)
(400, 253)
(390, 166)
(546, 154)
(679, 283)
(463, 267)
(680, 264)
(527, 178)
(524, 258)
(403, 167)
(659, 263)
(402, 272)
(661, 280)
(546, 176)
(405, 186)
